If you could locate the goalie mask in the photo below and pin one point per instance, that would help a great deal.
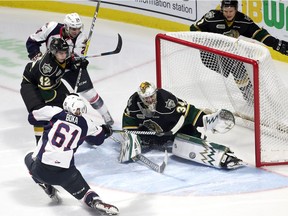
(148, 95)
(75, 105)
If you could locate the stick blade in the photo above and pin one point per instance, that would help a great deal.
(164, 163)
(118, 48)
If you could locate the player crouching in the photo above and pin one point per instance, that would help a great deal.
(52, 162)
(155, 117)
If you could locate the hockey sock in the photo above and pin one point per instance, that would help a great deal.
(38, 131)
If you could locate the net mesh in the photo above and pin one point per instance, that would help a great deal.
(207, 78)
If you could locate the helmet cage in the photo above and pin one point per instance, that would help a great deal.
(148, 94)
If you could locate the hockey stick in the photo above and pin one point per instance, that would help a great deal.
(136, 132)
(169, 133)
(150, 164)
(92, 27)
(88, 43)
(117, 50)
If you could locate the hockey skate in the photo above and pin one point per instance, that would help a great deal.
(51, 192)
(104, 208)
(108, 118)
(230, 161)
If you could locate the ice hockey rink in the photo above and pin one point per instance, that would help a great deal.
(184, 188)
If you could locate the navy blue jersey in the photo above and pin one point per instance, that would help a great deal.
(63, 134)
(54, 30)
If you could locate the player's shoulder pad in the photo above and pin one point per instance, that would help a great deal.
(133, 99)
(166, 94)
(52, 24)
(46, 65)
(168, 99)
(213, 14)
(242, 17)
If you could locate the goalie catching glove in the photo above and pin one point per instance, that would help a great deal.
(219, 122)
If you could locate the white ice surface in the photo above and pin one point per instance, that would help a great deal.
(184, 189)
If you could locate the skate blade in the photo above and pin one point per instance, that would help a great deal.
(107, 210)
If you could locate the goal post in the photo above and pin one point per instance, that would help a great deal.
(215, 71)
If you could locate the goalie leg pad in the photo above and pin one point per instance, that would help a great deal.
(202, 151)
(130, 147)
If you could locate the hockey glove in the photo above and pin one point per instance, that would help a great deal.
(107, 130)
(219, 122)
(81, 63)
(36, 57)
(84, 63)
(281, 46)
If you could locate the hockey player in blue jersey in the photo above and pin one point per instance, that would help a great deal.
(52, 162)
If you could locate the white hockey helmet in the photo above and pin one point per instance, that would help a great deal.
(72, 20)
(75, 105)
(148, 95)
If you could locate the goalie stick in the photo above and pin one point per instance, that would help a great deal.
(169, 133)
(136, 132)
(150, 164)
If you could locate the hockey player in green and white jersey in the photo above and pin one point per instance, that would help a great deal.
(175, 124)
(233, 23)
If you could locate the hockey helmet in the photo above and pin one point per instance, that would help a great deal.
(58, 44)
(229, 3)
(74, 104)
(72, 21)
(148, 95)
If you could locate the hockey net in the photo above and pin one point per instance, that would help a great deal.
(215, 71)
